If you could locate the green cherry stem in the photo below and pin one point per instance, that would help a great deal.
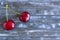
(7, 12)
(13, 10)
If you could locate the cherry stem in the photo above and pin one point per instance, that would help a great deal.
(13, 11)
(7, 8)
(7, 12)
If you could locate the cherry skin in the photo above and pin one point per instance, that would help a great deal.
(9, 25)
(25, 16)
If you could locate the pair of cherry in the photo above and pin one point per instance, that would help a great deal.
(10, 24)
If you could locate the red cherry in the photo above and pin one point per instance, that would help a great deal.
(24, 17)
(9, 25)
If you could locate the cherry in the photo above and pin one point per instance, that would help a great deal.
(9, 25)
(25, 16)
